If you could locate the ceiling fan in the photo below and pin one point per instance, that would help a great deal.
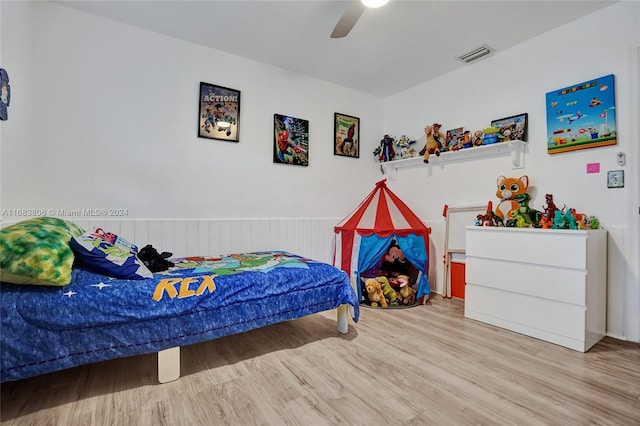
(352, 14)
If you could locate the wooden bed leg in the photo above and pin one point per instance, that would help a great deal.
(343, 319)
(169, 365)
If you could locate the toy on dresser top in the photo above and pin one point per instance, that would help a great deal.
(513, 210)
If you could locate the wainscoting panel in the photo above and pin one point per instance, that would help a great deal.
(312, 237)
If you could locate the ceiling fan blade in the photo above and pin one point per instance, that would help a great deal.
(348, 20)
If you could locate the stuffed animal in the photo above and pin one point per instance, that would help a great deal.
(389, 293)
(153, 260)
(374, 291)
(407, 294)
(394, 261)
(511, 192)
(432, 146)
(439, 136)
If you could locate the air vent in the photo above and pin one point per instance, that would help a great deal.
(476, 54)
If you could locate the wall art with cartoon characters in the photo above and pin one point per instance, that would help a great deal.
(5, 94)
(582, 116)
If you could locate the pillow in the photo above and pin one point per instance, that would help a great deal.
(116, 259)
(36, 251)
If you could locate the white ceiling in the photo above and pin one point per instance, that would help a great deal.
(389, 50)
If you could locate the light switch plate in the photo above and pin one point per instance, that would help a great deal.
(615, 179)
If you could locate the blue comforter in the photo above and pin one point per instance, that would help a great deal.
(95, 318)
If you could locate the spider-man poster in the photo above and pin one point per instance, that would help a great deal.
(291, 140)
(219, 110)
(347, 135)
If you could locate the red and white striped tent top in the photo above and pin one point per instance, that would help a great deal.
(381, 213)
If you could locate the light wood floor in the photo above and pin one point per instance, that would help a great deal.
(426, 365)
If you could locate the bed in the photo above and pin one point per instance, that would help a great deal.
(96, 317)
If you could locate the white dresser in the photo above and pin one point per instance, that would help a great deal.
(546, 283)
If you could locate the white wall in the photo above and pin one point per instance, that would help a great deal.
(516, 81)
(105, 115)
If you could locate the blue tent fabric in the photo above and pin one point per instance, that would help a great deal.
(373, 247)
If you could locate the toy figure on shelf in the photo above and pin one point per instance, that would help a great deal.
(438, 135)
(431, 146)
(467, 141)
(491, 135)
(404, 145)
(477, 138)
(387, 152)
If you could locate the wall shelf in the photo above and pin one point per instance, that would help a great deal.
(515, 149)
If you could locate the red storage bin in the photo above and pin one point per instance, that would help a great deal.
(457, 278)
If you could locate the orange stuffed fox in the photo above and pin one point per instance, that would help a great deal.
(511, 192)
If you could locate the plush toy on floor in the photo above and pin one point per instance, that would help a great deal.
(407, 294)
(389, 293)
(374, 291)
(394, 261)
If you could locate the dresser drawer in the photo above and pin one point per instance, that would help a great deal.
(563, 248)
(561, 284)
(537, 317)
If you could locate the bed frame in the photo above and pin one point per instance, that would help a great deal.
(311, 238)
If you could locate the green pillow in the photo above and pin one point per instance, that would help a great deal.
(36, 251)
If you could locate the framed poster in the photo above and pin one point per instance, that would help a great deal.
(512, 128)
(582, 116)
(346, 132)
(5, 94)
(290, 140)
(219, 110)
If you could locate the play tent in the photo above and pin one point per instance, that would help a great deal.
(363, 237)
